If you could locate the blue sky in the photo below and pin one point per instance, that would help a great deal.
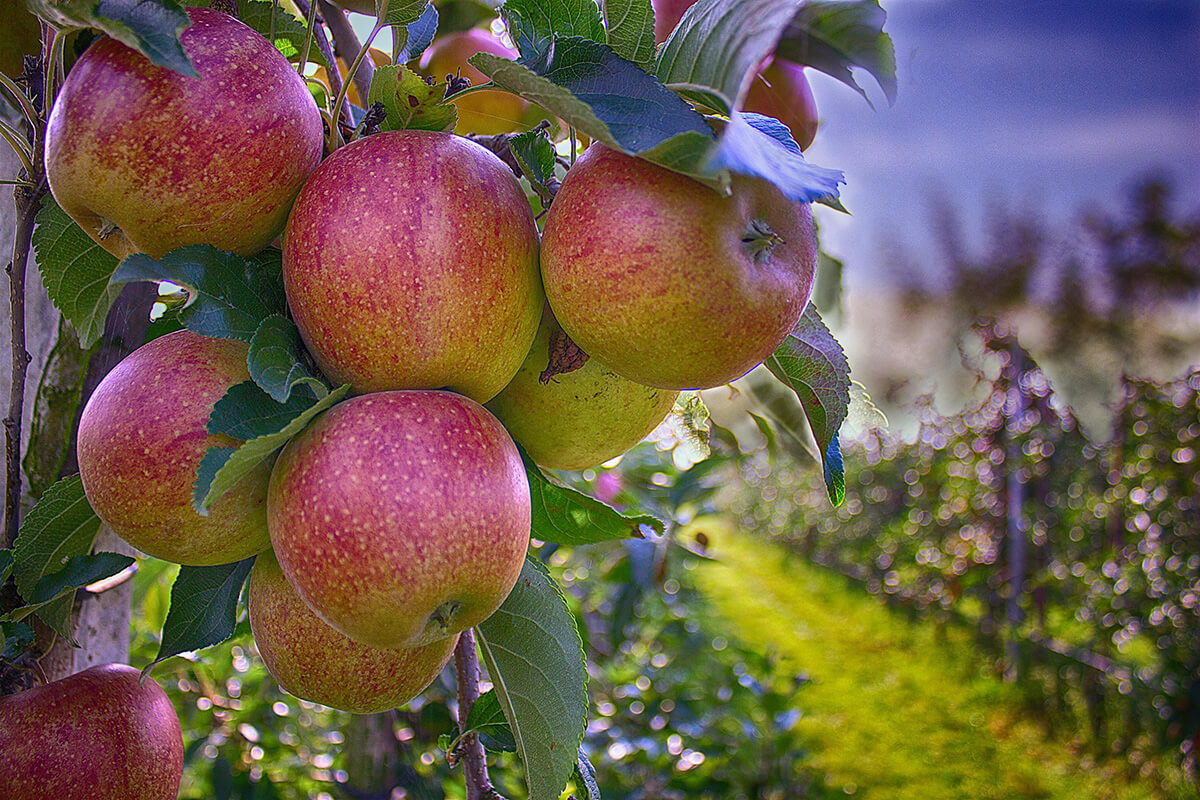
(1059, 103)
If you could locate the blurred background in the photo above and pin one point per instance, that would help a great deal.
(1007, 604)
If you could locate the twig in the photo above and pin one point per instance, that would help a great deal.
(317, 35)
(466, 666)
(346, 44)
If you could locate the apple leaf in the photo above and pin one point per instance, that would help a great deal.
(6, 560)
(835, 35)
(212, 483)
(60, 586)
(535, 154)
(225, 291)
(203, 608)
(751, 144)
(276, 24)
(247, 412)
(534, 657)
(278, 361)
(713, 54)
(59, 527)
(585, 778)
(15, 637)
(150, 28)
(75, 271)
(412, 102)
(601, 94)
(778, 407)
(812, 364)
(535, 24)
(630, 25)
(420, 35)
(487, 719)
(399, 12)
(565, 516)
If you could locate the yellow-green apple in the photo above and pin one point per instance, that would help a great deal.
(146, 159)
(410, 262)
(20, 35)
(401, 517)
(580, 418)
(317, 663)
(780, 90)
(100, 734)
(488, 112)
(669, 283)
(141, 437)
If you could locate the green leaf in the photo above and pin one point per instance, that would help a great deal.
(630, 25)
(763, 147)
(78, 572)
(59, 527)
(534, 24)
(14, 638)
(278, 361)
(566, 516)
(601, 94)
(247, 412)
(75, 271)
(249, 456)
(487, 719)
(714, 52)
(280, 26)
(6, 561)
(151, 28)
(585, 778)
(534, 657)
(203, 608)
(812, 364)
(419, 35)
(225, 291)
(535, 154)
(399, 12)
(411, 101)
(211, 462)
(835, 35)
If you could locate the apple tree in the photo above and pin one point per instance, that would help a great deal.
(396, 295)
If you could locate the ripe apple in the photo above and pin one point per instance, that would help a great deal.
(401, 517)
(667, 14)
(141, 438)
(411, 262)
(99, 734)
(576, 419)
(314, 662)
(147, 160)
(667, 282)
(781, 91)
(20, 35)
(485, 113)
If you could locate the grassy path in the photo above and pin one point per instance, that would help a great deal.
(894, 711)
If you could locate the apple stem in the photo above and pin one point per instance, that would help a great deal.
(466, 665)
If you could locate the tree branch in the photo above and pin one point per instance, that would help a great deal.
(346, 44)
(322, 42)
(466, 666)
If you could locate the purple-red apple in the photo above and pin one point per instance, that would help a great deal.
(141, 438)
(147, 160)
(411, 262)
(401, 517)
(314, 662)
(667, 282)
(99, 734)
(580, 418)
(667, 14)
(486, 113)
(781, 91)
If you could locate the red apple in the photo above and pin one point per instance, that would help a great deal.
(401, 518)
(99, 734)
(667, 14)
(141, 438)
(484, 113)
(781, 91)
(411, 262)
(667, 282)
(314, 662)
(146, 159)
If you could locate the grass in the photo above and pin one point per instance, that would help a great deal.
(896, 709)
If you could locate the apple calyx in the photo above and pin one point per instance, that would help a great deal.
(760, 239)
(565, 356)
(440, 621)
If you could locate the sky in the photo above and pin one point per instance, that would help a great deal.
(1059, 103)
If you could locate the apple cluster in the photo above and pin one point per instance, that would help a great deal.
(415, 272)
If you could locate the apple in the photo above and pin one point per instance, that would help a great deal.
(314, 662)
(20, 35)
(401, 517)
(486, 113)
(378, 58)
(576, 419)
(147, 160)
(141, 437)
(411, 262)
(667, 282)
(780, 90)
(667, 14)
(100, 734)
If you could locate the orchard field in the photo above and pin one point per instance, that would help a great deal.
(444, 399)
